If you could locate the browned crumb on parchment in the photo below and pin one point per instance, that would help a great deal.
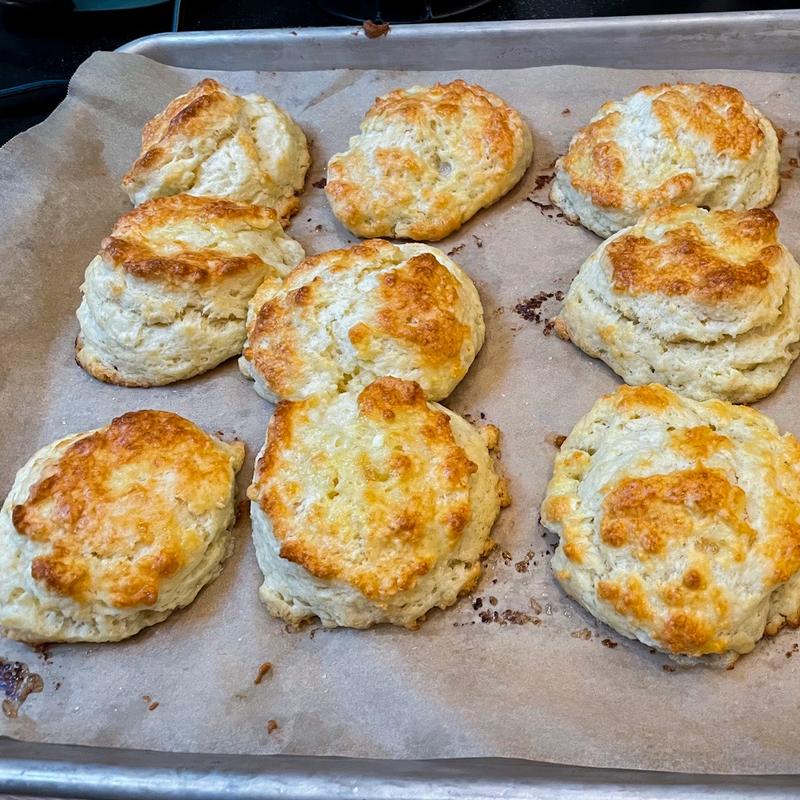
(530, 309)
(263, 671)
(550, 211)
(509, 616)
(271, 726)
(152, 705)
(524, 563)
(16, 683)
(242, 510)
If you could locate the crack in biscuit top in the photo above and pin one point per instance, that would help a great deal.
(206, 110)
(372, 491)
(117, 514)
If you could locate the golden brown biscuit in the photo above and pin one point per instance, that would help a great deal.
(371, 507)
(706, 302)
(106, 532)
(346, 317)
(167, 296)
(679, 522)
(426, 160)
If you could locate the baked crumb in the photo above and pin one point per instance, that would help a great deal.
(263, 671)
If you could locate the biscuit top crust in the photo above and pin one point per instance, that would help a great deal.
(413, 300)
(426, 160)
(687, 514)
(190, 113)
(611, 161)
(371, 489)
(189, 239)
(120, 511)
(210, 141)
(197, 113)
(709, 257)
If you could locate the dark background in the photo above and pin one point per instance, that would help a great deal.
(47, 40)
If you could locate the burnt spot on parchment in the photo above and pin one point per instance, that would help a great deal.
(17, 682)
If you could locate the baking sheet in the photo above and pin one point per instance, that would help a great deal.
(471, 681)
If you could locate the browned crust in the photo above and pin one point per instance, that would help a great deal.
(596, 164)
(103, 373)
(485, 124)
(98, 507)
(687, 263)
(190, 114)
(418, 301)
(403, 537)
(132, 246)
(414, 304)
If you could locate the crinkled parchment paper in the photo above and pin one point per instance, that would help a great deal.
(527, 673)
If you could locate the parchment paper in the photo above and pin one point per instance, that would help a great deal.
(460, 686)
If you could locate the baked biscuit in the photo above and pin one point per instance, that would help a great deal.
(427, 159)
(167, 296)
(109, 531)
(214, 143)
(667, 145)
(371, 507)
(707, 303)
(346, 317)
(679, 522)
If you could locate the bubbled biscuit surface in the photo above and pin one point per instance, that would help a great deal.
(426, 160)
(371, 507)
(679, 522)
(667, 145)
(166, 298)
(106, 532)
(346, 317)
(706, 303)
(211, 142)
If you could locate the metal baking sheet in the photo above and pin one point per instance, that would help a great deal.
(761, 40)
(104, 772)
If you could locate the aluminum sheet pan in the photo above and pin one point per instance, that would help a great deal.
(759, 40)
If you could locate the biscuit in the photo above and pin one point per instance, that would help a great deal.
(427, 159)
(676, 144)
(707, 303)
(371, 507)
(109, 531)
(211, 142)
(167, 296)
(679, 522)
(346, 317)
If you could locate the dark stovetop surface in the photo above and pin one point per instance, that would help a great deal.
(50, 43)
